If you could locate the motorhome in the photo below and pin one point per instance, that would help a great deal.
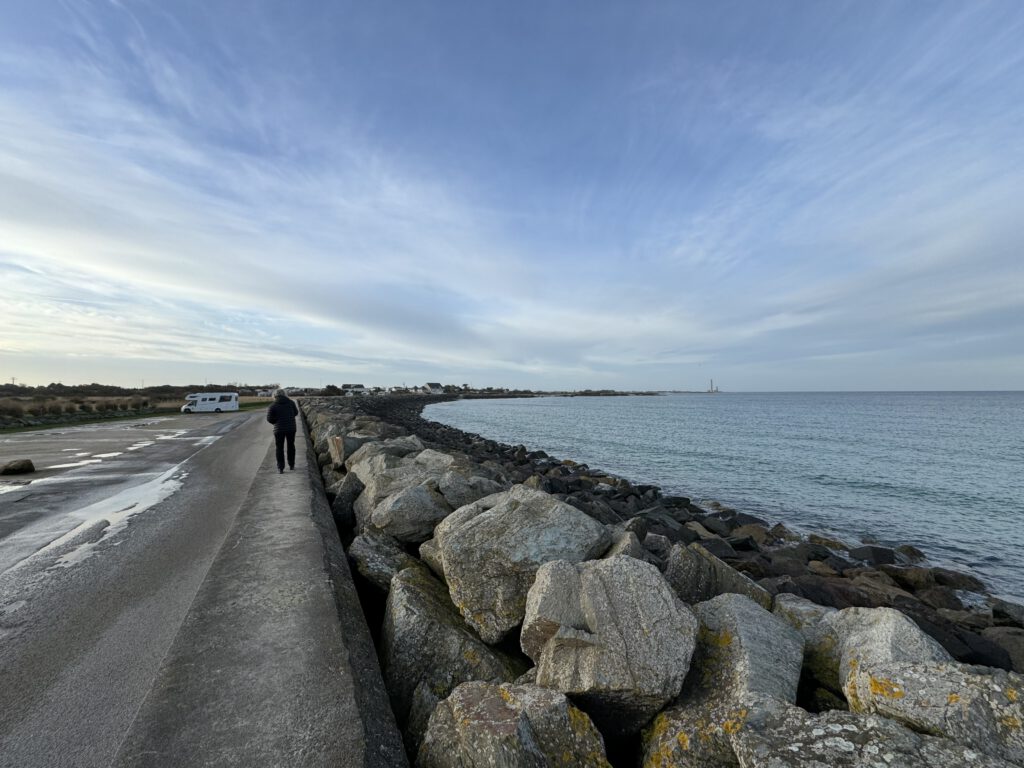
(210, 402)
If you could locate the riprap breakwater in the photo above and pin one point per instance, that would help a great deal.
(533, 611)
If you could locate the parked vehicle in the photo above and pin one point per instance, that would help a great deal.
(210, 402)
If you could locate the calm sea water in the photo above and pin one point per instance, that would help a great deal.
(942, 471)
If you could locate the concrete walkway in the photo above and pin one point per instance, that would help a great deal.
(273, 665)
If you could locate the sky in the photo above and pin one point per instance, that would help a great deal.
(632, 195)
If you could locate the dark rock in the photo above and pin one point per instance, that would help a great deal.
(718, 547)
(911, 553)
(828, 541)
(1006, 613)
(874, 554)
(657, 544)
(949, 578)
(18, 467)
(779, 531)
(716, 525)
(743, 544)
(755, 531)
(940, 597)
(818, 568)
(742, 518)
(832, 592)
(912, 578)
(637, 525)
(783, 565)
(1011, 640)
(972, 620)
(696, 575)
(659, 521)
(837, 563)
(345, 494)
(962, 644)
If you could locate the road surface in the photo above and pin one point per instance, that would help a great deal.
(101, 555)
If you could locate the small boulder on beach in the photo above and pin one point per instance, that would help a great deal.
(18, 467)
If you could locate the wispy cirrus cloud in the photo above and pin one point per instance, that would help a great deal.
(703, 197)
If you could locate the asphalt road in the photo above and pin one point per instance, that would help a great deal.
(101, 556)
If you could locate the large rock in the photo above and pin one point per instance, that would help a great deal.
(491, 550)
(435, 461)
(794, 738)
(612, 635)
(626, 543)
(747, 667)
(747, 651)
(18, 467)
(378, 557)
(427, 650)
(821, 659)
(410, 514)
(460, 489)
(696, 575)
(1010, 639)
(346, 491)
(482, 724)
(397, 446)
(383, 476)
(979, 707)
(341, 447)
(841, 640)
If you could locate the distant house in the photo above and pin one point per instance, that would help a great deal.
(265, 393)
(351, 390)
(434, 388)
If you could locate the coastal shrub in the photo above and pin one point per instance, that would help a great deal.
(37, 409)
(71, 407)
(85, 407)
(11, 408)
(55, 409)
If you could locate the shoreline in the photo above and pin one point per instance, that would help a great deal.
(881, 489)
(395, 478)
(407, 412)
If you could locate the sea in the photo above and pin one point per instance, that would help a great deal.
(943, 471)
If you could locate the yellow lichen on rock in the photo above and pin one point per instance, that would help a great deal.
(720, 639)
(953, 698)
(735, 723)
(656, 736)
(1011, 722)
(881, 687)
(683, 740)
(1011, 694)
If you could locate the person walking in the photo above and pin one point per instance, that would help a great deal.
(281, 414)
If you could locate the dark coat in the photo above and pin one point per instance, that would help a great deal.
(282, 413)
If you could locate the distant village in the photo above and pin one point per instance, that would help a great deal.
(434, 388)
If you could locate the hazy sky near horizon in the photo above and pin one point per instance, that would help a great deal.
(784, 195)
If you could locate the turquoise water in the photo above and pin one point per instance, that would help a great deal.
(943, 471)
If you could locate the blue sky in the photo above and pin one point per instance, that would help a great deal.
(781, 196)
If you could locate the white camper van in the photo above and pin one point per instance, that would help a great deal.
(215, 402)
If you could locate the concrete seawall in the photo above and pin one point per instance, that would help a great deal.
(274, 664)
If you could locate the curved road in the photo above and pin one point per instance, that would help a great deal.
(101, 555)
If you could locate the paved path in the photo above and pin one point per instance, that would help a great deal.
(188, 600)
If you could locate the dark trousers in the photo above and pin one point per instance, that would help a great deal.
(279, 440)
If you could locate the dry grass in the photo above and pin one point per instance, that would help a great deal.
(39, 406)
